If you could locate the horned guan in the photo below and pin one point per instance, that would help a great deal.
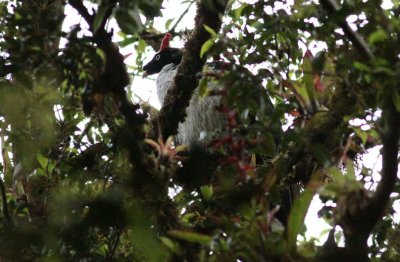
(201, 114)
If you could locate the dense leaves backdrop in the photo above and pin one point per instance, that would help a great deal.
(89, 175)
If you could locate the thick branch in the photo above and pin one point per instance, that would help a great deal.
(6, 213)
(361, 224)
(82, 10)
(113, 80)
(177, 99)
(390, 140)
(359, 213)
(332, 7)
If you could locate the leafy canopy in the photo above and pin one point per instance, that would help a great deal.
(89, 175)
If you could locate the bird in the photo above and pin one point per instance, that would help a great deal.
(201, 115)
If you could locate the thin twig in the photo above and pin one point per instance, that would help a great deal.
(114, 244)
(332, 7)
(181, 16)
(150, 36)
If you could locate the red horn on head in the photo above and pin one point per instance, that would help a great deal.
(165, 42)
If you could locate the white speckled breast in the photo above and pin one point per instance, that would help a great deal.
(201, 114)
(165, 80)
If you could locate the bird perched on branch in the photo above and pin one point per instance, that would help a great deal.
(201, 114)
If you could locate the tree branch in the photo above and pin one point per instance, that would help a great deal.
(177, 99)
(158, 36)
(360, 224)
(181, 16)
(332, 7)
(6, 213)
(390, 140)
(154, 39)
(82, 10)
(114, 79)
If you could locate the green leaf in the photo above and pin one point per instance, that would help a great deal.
(362, 134)
(351, 174)
(150, 8)
(318, 62)
(6, 165)
(213, 34)
(188, 216)
(206, 46)
(309, 80)
(361, 67)
(331, 190)
(129, 20)
(141, 46)
(377, 36)
(321, 153)
(102, 250)
(98, 19)
(203, 87)
(267, 147)
(170, 244)
(337, 175)
(101, 54)
(168, 23)
(207, 192)
(396, 100)
(302, 96)
(257, 25)
(127, 40)
(43, 161)
(38, 172)
(297, 216)
(238, 12)
(191, 237)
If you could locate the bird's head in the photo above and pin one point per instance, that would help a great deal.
(166, 55)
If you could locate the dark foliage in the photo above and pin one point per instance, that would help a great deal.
(89, 175)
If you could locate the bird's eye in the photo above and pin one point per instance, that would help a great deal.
(157, 57)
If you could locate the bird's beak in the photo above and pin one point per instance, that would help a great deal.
(145, 74)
